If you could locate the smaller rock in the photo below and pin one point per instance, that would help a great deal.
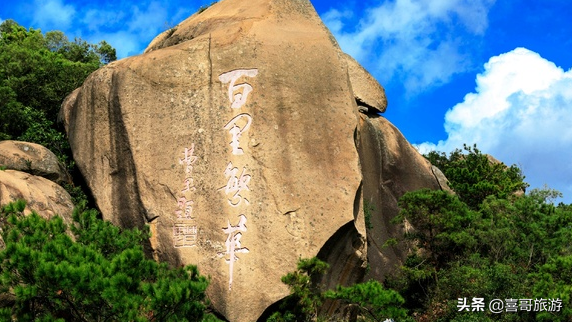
(42, 195)
(369, 94)
(441, 179)
(34, 159)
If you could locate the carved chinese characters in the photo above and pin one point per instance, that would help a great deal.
(237, 177)
(236, 131)
(233, 245)
(237, 94)
(184, 228)
(236, 184)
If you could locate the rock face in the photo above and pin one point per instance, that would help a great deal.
(34, 159)
(391, 166)
(234, 137)
(42, 195)
(369, 94)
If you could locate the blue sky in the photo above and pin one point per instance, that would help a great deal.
(494, 73)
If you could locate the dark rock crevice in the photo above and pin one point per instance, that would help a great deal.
(345, 253)
(367, 109)
(126, 199)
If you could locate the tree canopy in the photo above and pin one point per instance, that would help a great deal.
(99, 274)
(487, 241)
(37, 71)
(474, 176)
(368, 301)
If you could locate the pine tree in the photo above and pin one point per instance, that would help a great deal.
(96, 272)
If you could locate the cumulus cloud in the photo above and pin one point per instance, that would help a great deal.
(521, 113)
(416, 42)
(53, 14)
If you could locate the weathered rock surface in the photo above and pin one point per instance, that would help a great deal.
(34, 159)
(441, 179)
(367, 91)
(42, 195)
(236, 137)
(391, 166)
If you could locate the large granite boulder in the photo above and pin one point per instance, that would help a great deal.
(235, 136)
(369, 95)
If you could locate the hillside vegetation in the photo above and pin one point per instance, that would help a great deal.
(489, 241)
(37, 71)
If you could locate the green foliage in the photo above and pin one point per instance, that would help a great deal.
(101, 274)
(76, 193)
(554, 280)
(306, 297)
(390, 242)
(443, 224)
(368, 209)
(36, 73)
(507, 246)
(474, 177)
(370, 300)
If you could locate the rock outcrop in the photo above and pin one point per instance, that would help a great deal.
(391, 166)
(236, 138)
(34, 159)
(42, 195)
(370, 96)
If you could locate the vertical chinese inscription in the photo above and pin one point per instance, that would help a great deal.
(233, 245)
(237, 178)
(184, 228)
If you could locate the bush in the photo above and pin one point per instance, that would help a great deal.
(97, 273)
(474, 177)
(369, 300)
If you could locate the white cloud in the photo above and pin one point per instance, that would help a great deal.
(147, 22)
(125, 43)
(96, 19)
(128, 26)
(134, 26)
(521, 113)
(53, 14)
(417, 42)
